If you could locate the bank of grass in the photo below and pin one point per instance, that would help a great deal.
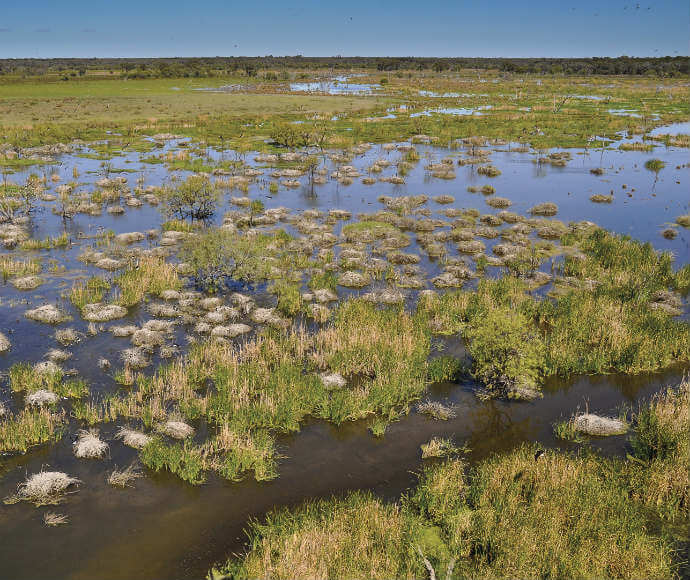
(271, 384)
(515, 515)
(603, 322)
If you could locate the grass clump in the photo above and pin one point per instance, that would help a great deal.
(289, 297)
(124, 477)
(45, 488)
(150, 275)
(182, 459)
(89, 445)
(438, 447)
(52, 519)
(89, 292)
(11, 267)
(444, 368)
(29, 427)
(437, 410)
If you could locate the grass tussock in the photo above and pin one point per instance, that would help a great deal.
(150, 275)
(30, 427)
(44, 488)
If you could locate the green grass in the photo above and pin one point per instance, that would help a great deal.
(510, 516)
(289, 297)
(182, 459)
(562, 516)
(272, 384)
(89, 292)
(36, 112)
(150, 275)
(49, 243)
(28, 428)
(515, 339)
(24, 378)
(11, 267)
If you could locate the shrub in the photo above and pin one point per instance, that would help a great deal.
(218, 254)
(195, 198)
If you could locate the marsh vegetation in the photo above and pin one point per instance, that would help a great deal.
(196, 296)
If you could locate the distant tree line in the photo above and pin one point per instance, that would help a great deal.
(274, 67)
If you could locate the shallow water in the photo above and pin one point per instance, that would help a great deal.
(673, 129)
(460, 111)
(337, 86)
(163, 528)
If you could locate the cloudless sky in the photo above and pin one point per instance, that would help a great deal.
(491, 28)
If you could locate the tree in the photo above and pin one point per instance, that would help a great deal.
(218, 254)
(310, 165)
(255, 208)
(195, 198)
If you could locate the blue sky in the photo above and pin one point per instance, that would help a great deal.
(150, 28)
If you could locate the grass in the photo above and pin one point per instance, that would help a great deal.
(438, 447)
(44, 488)
(37, 112)
(150, 275)
(660, 441)
(515, 339)
(364, 538)
(271, 384)
(518, 514)
(11, 267)
(49, 243)
(29, 427)
(511, 516)
(89, 292)
(24, 377)
(182, 459)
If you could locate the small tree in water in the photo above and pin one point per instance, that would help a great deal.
(195, 198)
(311, 163)
(219, 254)
(255, 208)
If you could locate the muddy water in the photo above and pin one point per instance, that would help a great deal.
(163, 528)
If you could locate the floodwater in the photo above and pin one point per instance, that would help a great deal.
(461, 111)
(163, 528)
(340, 85)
